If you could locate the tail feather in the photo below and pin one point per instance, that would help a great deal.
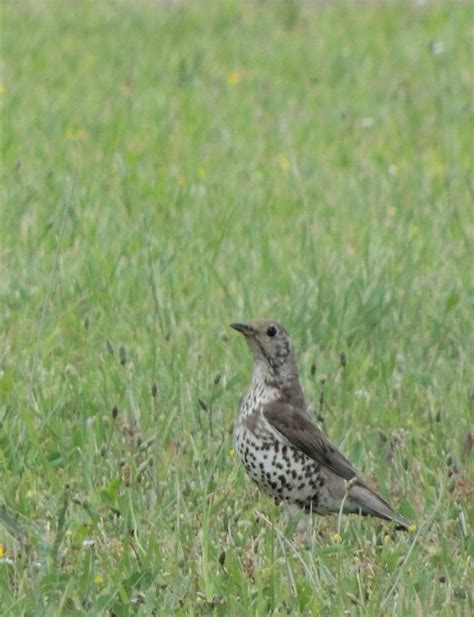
(367, 500)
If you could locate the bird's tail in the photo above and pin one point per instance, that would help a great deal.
(369, 502)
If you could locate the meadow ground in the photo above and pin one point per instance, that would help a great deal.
(169, 169)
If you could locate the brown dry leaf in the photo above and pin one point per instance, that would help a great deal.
(467, 446)
(126, 475)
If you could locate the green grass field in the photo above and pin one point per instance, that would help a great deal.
(168, 169)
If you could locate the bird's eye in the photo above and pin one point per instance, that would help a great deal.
(271, 331)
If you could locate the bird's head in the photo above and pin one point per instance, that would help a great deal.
(274, 362)
(271, 347)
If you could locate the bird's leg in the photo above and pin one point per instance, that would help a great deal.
(303, 528)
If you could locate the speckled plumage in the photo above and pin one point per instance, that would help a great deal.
(282, 449)
(279, 469)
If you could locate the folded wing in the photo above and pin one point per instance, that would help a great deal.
(296, 425)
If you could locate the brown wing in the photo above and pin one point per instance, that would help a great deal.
(296, 425)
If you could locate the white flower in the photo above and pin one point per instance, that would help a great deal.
(438, 48)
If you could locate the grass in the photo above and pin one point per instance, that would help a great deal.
(168, 169)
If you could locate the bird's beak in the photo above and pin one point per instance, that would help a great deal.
(243, 328)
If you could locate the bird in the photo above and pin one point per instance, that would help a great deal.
(281, 447)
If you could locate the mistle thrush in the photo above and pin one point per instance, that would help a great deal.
(282, 449)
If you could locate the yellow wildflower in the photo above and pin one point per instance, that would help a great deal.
(77, 134)
(336, 537)
(411, 528)
(234, 77)
(284, 163)
(99, 579)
